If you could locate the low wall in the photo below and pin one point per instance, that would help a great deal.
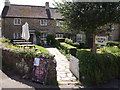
(74, 66)
(22, 67)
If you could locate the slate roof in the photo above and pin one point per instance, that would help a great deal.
(28, 11)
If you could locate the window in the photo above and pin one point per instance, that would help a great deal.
(16, 35)
(17, 21)
(59, 23)
(79, 37)
(43, 22)
(43, 36)
(59, 35)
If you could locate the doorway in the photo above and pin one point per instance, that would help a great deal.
(32, 38)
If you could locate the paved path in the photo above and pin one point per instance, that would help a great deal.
(64, 75)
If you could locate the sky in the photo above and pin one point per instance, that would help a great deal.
(28, 2)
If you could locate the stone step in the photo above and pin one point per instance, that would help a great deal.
(68, 83)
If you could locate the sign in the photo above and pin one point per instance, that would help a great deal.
(36, 61)
(39, 73)
(101, 40)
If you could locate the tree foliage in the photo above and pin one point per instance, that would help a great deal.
(89, 17)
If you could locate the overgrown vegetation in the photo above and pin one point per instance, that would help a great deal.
(113, 43)
(97, 68)
(27, 53)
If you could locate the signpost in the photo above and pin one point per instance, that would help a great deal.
(101, 40)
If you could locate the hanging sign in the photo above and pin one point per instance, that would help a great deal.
(101, 40)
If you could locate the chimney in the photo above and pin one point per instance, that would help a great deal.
(47, 5)
(7, 3)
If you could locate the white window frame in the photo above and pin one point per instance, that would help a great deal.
(16, 35)
(17, 21)
(43, 22)
(79, 37)
(58, 23)
(59, 35)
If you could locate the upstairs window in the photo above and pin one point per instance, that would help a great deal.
(59, 23)
(43, 22)
(17, 21)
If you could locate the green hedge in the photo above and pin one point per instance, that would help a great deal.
(97, 68)
(76, 44)
(60, 39)
(113, 43)
(68, 41)
(68, 49)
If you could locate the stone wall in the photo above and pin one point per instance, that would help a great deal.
(17, 64)
(8, 27)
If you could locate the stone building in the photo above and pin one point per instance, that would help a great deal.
(43, 19)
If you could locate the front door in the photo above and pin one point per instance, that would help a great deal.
(32, 38)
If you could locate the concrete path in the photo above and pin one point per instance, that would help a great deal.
(64, 75)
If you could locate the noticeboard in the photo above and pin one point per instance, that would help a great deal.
(39, 72)
(101, 40)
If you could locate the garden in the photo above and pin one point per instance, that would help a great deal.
(94, 68)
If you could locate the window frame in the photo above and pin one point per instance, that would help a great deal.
(58, 35)
(16, 35)
(79, 37)
(58, 23)
(43, 22)
(17, 21)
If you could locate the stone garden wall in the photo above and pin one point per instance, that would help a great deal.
(23, 67)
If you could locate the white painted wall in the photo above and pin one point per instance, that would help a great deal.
(74, 66)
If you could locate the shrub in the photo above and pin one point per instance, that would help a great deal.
(68, 41)
(113, 43)
(68, 49)
(50, 39)
(5, 40)
(97, 68)
(76, 44)
(60, 39)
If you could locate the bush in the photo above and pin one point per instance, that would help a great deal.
(113, 43)
(50, 39)
(5, 40)
(68, 49)
(68, 41)
(60, 39)
(97, 68)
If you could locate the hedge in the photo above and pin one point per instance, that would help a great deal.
(68, 49)
(113, 43)
(97, 68)
(75, 44)
(60, 39)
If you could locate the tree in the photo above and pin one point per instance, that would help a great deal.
(89, 17)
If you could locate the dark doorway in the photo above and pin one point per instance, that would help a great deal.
(31, 38)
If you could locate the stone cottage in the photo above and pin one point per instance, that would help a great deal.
(43, 19)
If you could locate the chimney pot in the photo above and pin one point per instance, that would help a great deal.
(47, 5)
(7, 3)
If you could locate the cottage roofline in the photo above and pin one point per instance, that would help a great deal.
(32, 18)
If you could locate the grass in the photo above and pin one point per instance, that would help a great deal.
(110, 49)
(41, 49)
